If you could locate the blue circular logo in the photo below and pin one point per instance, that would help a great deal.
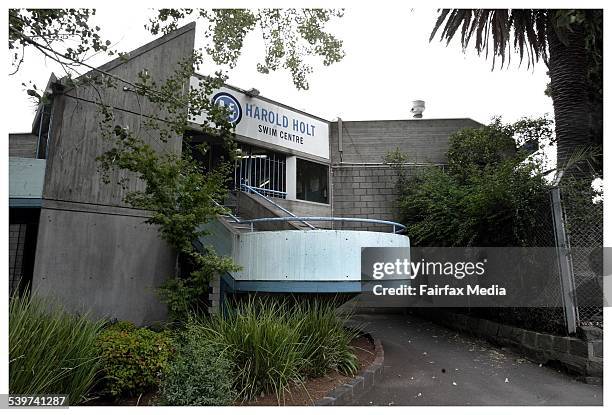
(228, 101)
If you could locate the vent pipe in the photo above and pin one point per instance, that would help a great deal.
(417, 109)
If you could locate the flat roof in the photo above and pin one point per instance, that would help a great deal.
(417, 120)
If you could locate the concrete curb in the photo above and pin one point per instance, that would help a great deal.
(345, 394)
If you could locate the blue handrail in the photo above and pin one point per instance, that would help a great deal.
(254, 190)
(264, 190)
(226, 211)
(395, 225)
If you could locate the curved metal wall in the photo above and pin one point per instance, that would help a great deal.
(313, 255)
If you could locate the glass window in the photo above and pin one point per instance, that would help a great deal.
(262, 169)
(312, 181)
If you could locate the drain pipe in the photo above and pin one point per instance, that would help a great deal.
(340, 138)
(331, 170)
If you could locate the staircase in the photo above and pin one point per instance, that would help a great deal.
(285, 261)
(250, 204)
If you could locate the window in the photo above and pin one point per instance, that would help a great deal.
(312, 181)
(262, 169)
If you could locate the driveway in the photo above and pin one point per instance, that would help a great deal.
(426, 364)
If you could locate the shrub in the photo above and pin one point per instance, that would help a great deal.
(127, 326)
(133, 359)
(50, 350)
(490, 194)
(273, 345)
(199, 375)
(324, 341)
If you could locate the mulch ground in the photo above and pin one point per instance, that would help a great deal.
(146, 399)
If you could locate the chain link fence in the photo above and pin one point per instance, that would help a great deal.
(571, 221)
(583, 217)
(542, 319)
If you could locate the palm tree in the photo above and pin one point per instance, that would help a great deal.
(568, 41)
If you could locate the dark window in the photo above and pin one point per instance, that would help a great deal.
(312, 181)
(23, 230)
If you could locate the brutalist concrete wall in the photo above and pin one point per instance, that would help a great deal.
(94, 252)
(102, 262)
(362, 185)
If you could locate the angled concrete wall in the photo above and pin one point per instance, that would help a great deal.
(93, 252)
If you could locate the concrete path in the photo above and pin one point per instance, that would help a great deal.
(426, 364)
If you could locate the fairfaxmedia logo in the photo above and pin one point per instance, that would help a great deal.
(228, 101)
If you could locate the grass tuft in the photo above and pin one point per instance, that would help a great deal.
(275, 344)
(50, 350)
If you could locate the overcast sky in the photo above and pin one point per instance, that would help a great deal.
(389, 62)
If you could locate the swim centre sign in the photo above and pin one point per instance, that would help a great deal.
(271, 123)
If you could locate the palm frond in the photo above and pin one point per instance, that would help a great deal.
(496, 30)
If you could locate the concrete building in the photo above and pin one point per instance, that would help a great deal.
(73, 237)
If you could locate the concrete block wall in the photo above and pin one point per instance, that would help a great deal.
(582, 355)
(365, 193)
(364, 187)
(22, 145)
(424, 141)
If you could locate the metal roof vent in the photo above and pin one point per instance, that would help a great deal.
(417, 109)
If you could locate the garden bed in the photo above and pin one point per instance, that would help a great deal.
(258, 351)
(317, 388)
(298, 395)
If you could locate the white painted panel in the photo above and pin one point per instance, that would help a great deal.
(291, 177)
(26, 177)
(313, 255)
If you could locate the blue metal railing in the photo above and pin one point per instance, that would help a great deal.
(263, 190)
(256, 191)
(395, 225)
(226, 211)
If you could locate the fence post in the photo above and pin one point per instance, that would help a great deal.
(565, 269)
